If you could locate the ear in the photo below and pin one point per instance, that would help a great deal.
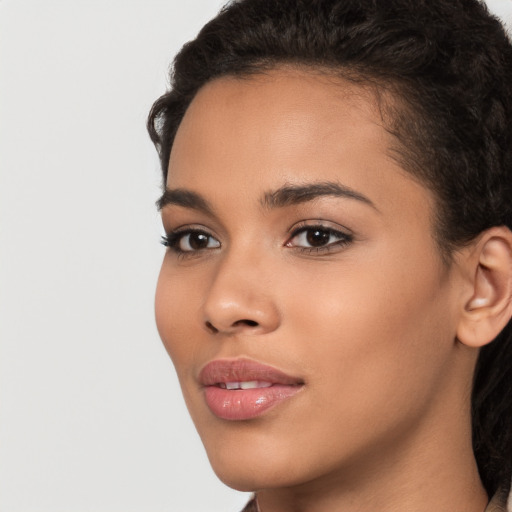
(489, 306)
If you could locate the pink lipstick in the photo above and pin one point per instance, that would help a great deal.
(242, 389)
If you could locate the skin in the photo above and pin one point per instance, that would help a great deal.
(369, 325)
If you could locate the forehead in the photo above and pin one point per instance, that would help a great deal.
(250, 134)
(288, 105)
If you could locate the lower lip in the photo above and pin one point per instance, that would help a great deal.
(245, 404)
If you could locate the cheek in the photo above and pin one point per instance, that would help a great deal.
(176, 312)
(373, 330)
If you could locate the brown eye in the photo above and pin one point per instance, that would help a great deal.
(318, 237)
(190, 241)
(194, 242)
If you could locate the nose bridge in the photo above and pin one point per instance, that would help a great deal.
(240, 294)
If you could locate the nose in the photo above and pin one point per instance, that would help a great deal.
(240, 299)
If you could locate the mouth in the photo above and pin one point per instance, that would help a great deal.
(242, 389)
(251, 384)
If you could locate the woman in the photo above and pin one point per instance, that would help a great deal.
(337, 288)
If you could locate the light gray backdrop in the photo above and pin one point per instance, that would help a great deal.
(91, 416)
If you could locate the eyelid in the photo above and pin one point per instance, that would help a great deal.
(344, 235)
(319, 223)
(173, 237)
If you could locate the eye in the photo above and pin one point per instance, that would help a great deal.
(318, 238)
(190, 240)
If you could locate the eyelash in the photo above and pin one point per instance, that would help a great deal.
(172, 240)
(344, 239)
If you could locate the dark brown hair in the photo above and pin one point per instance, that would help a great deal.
(448, 63)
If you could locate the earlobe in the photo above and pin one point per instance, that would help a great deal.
(489, 308)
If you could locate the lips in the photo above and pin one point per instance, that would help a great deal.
(242, 389)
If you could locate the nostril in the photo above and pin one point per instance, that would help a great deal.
(211, 327)
(235, 326)
(250, 323)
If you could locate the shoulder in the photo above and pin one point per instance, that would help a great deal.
(498, 503)
(253, 507)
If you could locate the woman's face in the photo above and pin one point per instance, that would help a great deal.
(297, 243)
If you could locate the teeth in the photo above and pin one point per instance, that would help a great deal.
(251, 384)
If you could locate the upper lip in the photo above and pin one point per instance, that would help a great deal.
(244, 370)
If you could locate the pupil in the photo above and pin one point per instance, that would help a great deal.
(198, 241)
(317, 237)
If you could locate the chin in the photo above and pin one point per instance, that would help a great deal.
(258, 465)
(245, 477)
(240, 482)
(247, 462)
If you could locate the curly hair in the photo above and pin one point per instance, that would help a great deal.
(448, 66)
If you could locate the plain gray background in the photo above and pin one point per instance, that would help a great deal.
(91, 415)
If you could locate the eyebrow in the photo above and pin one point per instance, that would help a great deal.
(185, 198)
(289, 195)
